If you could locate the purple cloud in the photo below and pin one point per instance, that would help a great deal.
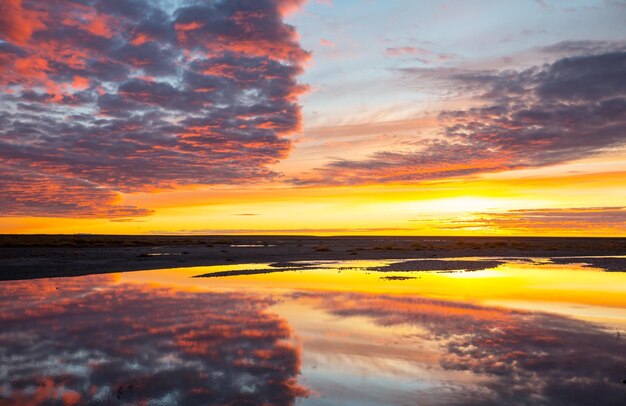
(566, 110)
(132, 96)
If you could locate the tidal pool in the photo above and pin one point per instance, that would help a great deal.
(524, 331)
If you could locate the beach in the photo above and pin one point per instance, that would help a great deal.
(41, 256)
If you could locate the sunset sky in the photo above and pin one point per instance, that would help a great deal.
(374, 117)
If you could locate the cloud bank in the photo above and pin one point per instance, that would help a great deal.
(558, 112)
(101, 97)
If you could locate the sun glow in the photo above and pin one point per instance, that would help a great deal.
(515, 284)
(467, 204)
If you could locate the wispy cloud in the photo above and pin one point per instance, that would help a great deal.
(30, 193)
(400, 51)
(589, 219)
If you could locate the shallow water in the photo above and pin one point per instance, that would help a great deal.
(324, 333)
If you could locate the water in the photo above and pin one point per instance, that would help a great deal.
(323, 333)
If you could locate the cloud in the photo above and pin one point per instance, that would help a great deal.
(135, 96)
(401, 51)
(426, 56)
(17, 24)
(196, 348)
(406, 50)
(558, 112)
(327, 43)
(590, 219)
(24, 191)
(582, 48)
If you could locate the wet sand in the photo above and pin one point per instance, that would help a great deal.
(38, 256)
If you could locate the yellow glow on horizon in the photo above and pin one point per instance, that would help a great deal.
(464, 204)
(565, 288)
(425, 208)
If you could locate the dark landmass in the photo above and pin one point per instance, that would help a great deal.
(37, 256)
(239, 272)
(430, 265)
(610, 264)
(438, 265)
(397, 278)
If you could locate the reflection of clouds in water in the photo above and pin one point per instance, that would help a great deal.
(529, 358)
(90, 343)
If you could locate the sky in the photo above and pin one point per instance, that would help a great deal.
(323, 117)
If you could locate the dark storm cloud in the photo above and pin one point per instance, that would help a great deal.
(566, 110)
(131, 96)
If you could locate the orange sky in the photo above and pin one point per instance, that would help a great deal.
(310, 117)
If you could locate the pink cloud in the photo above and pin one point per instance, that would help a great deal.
(18, 24)
(402, 51)
(88, 92)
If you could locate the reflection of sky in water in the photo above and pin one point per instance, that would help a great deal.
(92, 340)
(318, 337)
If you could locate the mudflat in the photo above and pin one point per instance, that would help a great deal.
(41, 256)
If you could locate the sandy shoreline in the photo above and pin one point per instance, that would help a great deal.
(28, 257)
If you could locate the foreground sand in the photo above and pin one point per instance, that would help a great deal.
(37, 256)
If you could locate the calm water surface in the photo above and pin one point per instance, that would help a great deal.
(525, 332)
